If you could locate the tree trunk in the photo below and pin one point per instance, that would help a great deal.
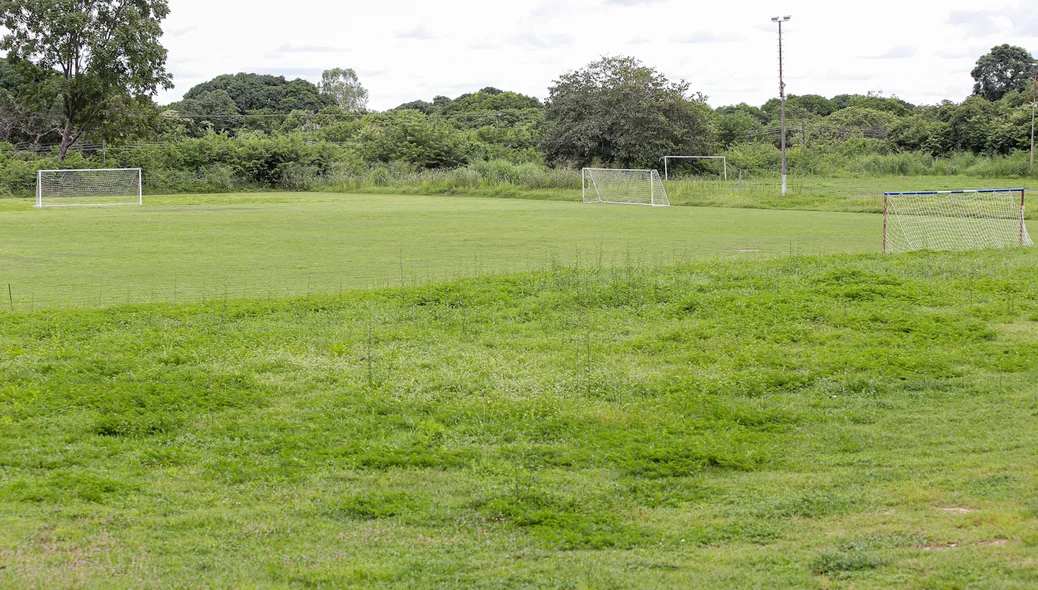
(67, 139)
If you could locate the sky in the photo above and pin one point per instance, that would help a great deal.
(404, 50)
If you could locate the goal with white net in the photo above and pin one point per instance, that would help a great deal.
(629, 187)
(91, 187)
(954, 220)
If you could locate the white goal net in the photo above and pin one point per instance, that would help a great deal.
(954, 220)
(632, 187)
(94, 187)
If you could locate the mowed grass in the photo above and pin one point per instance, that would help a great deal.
(191, 248)
(851, 194)
(853, 421)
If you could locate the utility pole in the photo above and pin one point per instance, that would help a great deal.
(1034, 106)
(782, 98)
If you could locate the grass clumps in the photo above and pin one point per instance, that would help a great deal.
(790, 423)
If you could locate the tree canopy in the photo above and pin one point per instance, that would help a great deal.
(1005, 68)
(253, 93)
(101, 60)
(620, 112)
(345, 89)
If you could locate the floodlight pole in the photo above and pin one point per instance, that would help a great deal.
(782, 98)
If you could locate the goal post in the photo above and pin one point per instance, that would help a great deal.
(666, 163)
(90, 187)
(954, 220)
(623, 186)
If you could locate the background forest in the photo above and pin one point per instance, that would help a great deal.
(253, 132)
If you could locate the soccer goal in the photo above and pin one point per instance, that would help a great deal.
(954, 220)
(630, 187)
(89, 188)
(666, 163)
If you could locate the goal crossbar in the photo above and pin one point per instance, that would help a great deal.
(954, 219)
(963, 192)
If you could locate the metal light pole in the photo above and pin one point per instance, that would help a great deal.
(782, 98)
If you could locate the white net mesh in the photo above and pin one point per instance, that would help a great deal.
(956, 220)
(55, 188)
(636, 187)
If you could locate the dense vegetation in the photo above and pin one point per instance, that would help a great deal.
(249, 131)
(809, 422)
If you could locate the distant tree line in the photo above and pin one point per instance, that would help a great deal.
(64, 84)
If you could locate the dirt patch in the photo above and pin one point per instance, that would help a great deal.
(940, 547)
(745, 250)
(957, 510)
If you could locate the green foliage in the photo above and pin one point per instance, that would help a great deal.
(490, 100)
(618, 111)
(211, 112)
(733, 128)
(854, 121)
(1004, 69)
(254, 93)
(100, 61)
(344, 87)
(412, 137)
(756, 113)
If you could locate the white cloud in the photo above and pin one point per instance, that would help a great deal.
(897, 52)
(408, 49)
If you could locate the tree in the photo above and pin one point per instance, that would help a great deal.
(1005, 68)
(490, 100)
(263, 92)
(758, 114)
(215, 111)
(618, 111)
(734, 128)
(100, 59)
(409, 136)
(344, 87)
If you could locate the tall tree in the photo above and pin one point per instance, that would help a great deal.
(618, 111)
(101, 59)
(1005, 68)
(343, 85)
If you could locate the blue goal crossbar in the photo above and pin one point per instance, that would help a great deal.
(986, 190)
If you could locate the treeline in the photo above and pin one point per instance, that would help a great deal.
(249, 131)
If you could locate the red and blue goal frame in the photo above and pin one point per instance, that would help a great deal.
(887, 195)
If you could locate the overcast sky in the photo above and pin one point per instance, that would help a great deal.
(403, 50)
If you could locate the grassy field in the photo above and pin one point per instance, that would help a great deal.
(849, 194)
(192, 248)
(851, 421)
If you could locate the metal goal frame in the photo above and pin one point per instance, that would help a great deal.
(1024, 238)
(39, 187)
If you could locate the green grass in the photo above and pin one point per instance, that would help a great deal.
(192, 248)
(852, 421)
(849, 194)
